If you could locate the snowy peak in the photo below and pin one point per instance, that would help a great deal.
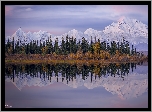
(126, 20)
(19, 32)
(91, 32)
(134, 25)
(132, 30)
(72, 33)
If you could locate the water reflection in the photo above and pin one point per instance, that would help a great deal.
(119, 79)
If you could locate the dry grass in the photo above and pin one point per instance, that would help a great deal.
(80, 62)
(48, 59)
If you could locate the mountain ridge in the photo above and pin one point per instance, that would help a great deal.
(132, 30)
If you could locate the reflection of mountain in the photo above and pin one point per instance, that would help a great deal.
(133, 85)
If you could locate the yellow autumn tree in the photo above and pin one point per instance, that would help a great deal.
(96, 48)
(104, 54)
(44, 50)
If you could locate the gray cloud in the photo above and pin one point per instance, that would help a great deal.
(28, 9)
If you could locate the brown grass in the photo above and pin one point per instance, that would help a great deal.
(48, 59)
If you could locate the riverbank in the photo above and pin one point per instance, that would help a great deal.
(49, 59)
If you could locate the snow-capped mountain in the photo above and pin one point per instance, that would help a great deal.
(28, 37)
(132, 30)
(133, 85)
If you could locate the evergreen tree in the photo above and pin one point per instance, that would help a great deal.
(91, 46)
(27, 49)
(17, 47)
(13, 46)
(71, 44)
(41, 46)
(63, 46)
(50, 47)
(74, 46)
(56, 47)
(84, 45)
(67, 45)
(31, 49)
(132, 51)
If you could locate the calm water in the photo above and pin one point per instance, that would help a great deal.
(71, 86)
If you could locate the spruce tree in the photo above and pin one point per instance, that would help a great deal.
(67, 45)
(56, 47)
(63, 48)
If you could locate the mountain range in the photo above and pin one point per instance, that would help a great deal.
(132, 30)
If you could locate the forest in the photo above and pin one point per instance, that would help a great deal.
(71, 51)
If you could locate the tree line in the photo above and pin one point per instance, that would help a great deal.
(70, 46)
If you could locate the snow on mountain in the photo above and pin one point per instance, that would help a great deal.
(72, 33)
(94, 33)
(132, 30)
(75, 34)
(20, 35)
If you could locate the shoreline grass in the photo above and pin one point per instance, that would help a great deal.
(68, 61)
(51, 59)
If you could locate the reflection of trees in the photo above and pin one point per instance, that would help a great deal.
(133, 65)
(68, 72)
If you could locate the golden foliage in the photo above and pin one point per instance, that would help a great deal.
(54, 54)
(96, 47)
(104, 54)
(89, 55)
(71, 56)
(79, 54)
(44, 50)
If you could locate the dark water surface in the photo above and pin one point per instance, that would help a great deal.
(73, 86)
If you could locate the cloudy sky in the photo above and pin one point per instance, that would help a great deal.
(59, 19)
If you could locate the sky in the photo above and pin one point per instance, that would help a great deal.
(59, 19)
